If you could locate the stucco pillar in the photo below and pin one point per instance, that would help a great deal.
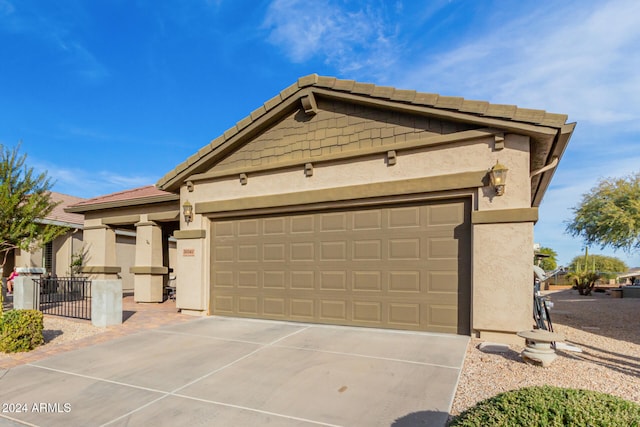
(149, 269)
(191, 292)
(100, 244)
(502, 280)
(106, 302)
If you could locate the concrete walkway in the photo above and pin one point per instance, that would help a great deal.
(225, 372)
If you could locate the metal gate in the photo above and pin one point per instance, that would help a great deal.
(64, 296)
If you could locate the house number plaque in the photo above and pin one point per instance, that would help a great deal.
(188, 252)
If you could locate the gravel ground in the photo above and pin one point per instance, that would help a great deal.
(60, 330)
(606, 329)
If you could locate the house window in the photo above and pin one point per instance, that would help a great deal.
(47, 257)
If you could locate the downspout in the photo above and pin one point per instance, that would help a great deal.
(553, 164)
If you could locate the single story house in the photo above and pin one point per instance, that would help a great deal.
(347, 203)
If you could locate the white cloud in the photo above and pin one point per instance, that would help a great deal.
(348, 39)
(85, 183)
(581, 60)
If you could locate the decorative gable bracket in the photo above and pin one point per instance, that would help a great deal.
(309, 104)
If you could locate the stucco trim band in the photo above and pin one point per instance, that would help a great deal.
(189, 234)
(121, 220)
(173, 215)
(101, 269)
(96, 227)
(505, 216)
(149, 270)
(456, 181)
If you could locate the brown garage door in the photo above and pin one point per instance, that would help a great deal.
(399, 266)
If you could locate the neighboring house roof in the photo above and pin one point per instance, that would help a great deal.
(633, 272)
(548, 131)
(58, 216)
(136, 196)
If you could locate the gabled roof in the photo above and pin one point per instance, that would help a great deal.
(549, 131)
(136, 196)
(59, 216)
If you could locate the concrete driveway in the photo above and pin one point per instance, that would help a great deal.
(233, 372)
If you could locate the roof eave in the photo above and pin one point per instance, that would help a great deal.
(122, 203)
(560, 144)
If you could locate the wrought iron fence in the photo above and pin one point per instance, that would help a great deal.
(64, 296)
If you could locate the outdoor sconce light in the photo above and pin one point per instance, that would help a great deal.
(498, 176)
(187, 212)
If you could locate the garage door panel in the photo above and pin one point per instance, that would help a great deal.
(367, 250)
(333, 251)
(302, 309)
(273, 252)
(402, 267)
(274, 306)
(248, 305)
(442, 248)
(333, 222)
(273, 226)
(247, 279)
(248, 253)
(303, 251)
(303, 280)
(367, 281)
(367, 220)
(332, 310)
(224, 279)
(248, 227)
(404, 249)
(446, 214)
(302, 224)
(333, 280)
(367, 311)
(224, 304)
(404, 314)
(404, 282)
(274, 279)
(223, 229)
(406, 217)
(442, 317)
(224, 253)
(443, 282)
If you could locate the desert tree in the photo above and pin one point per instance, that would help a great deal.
(24, 204)
(549, 262)
(609, 214)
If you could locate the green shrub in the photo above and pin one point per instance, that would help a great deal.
(551, 406)
(21, 330)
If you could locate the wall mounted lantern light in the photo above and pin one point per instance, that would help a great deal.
(187, 212)
(498, 176)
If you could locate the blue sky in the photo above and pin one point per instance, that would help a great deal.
(110, 95)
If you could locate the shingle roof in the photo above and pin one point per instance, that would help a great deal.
(470, 108)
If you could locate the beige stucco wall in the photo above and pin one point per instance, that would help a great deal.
(192, 272)
(62, 246)
(501, 288)
(63, 249)
(502, 291)
(125, 258)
